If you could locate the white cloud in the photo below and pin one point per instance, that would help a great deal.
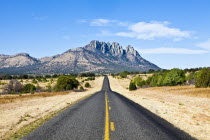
(204, 45)
(152, 30)
(167, 50)
(100, 22)
(106, 22)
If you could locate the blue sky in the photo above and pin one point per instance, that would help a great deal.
(171, 34)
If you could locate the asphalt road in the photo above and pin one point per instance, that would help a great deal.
(107, 115)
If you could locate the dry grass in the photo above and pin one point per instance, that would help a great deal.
(179, 90)
(185, 107)
(29, 81)
(14, 98)
(183, 90)
(23, 111)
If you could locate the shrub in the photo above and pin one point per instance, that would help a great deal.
(49, 87)
(90, 79)
(51, 80)
(139, 81)
(13, 87)
(66, 83)
(39, 79)
(34, 81)
(44, 80)
(167, 78)
(132, 86)
(38, 88)
(29, 88)
(124, 74)
(203, 78)
(87, 85)
(174, 77)
(81, 88)
(1, 83)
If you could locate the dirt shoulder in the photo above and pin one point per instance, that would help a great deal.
(19, 113)
(186, 111)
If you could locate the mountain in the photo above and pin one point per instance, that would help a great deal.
(99, 57)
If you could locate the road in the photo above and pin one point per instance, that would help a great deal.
(110, 116)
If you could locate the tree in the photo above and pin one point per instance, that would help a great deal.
(139, 81)
(66, 83)
(174, 77)
(34, 81)
(132, 86)
(29, 88)
(124, 74)
(87, 84)
(13, 87)
(203, 78)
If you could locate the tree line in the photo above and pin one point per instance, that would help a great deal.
(173, 77)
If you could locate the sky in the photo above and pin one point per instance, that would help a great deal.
(170, 34)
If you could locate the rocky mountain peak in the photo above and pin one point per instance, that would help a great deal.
(22, 54)
(131, 50)
(112, 48)
(100, 57)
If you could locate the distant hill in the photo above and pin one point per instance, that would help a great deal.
(98, 57)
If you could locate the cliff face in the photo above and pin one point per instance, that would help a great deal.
(96, 56)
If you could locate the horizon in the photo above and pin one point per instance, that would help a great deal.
(168, 34)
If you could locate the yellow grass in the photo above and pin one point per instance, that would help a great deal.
(183, 90)
(180, 90)
(13, 98)
(29, 81)
(186, 107)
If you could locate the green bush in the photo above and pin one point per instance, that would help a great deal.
(44, 80)
(1, 83)
(87, 85)
(29, 88)
(124, 74)
(66, 83)
(139, 81)
(132, 86)
(203, 78)
(34, 81)
(174, 77)
(81, 88)
(90, 79)
(49, 87)
(165, 78)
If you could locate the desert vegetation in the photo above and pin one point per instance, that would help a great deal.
(174, 77)
(22, 84)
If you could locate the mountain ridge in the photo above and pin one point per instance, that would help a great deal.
(99, 57)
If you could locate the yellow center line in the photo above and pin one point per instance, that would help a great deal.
(107, 135)
(112, 126)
